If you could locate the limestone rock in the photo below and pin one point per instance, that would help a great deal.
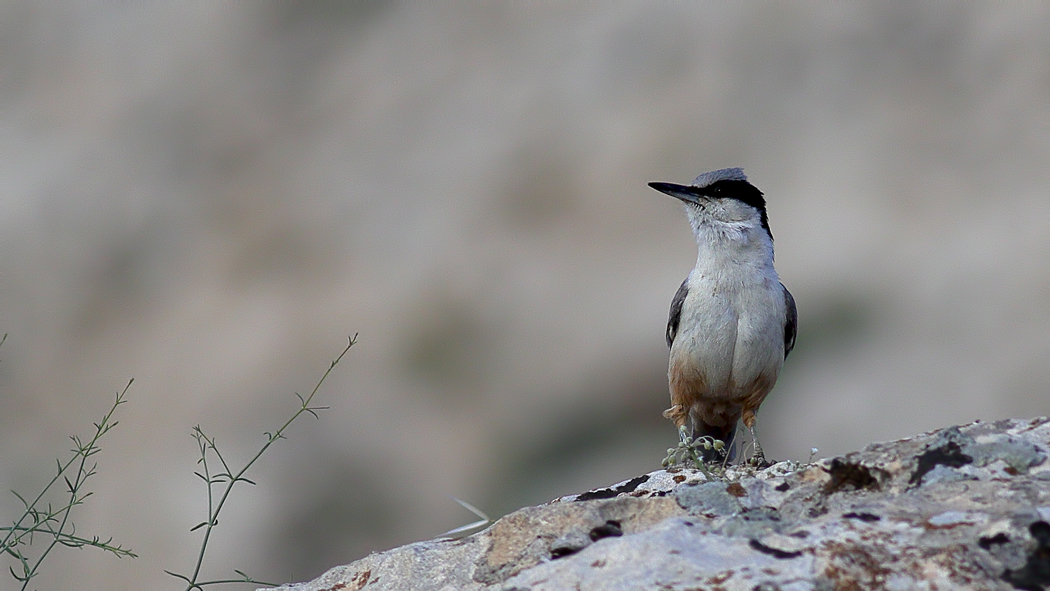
(961, 507)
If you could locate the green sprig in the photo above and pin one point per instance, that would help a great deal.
(55, 523)
(688, 448)
(227, 477)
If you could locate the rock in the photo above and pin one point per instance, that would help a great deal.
(961, 507)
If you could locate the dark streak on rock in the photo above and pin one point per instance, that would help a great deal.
(865, 517)
(610, 529)
(998, 539)
(845, 474)
(563, 551)
(949, 454)
(608, 493)
(1035, 574)
(774, 552)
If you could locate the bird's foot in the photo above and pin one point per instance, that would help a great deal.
(758, 459)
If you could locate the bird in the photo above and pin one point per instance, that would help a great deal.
(732, 322)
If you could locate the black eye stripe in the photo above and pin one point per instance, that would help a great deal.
(742, 191)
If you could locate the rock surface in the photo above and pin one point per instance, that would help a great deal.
(961, 507)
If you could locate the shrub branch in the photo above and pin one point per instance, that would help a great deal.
(225, 478)
(55, 523)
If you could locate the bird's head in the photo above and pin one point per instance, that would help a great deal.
(721, 196)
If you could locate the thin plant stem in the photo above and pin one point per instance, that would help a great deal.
(54, 522)
(229, 478)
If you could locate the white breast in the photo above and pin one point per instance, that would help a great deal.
(732, 324)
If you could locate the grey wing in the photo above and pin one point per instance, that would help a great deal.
(790, 321)
(676, 312)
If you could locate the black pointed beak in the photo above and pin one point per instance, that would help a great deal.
(683, 192)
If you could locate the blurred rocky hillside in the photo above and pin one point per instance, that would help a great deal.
(211, 196)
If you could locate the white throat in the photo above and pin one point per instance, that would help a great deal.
(723, 244)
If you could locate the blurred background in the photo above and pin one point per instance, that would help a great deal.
(211, 196)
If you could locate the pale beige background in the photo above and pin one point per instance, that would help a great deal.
(209, 197)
